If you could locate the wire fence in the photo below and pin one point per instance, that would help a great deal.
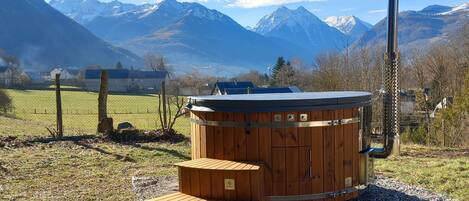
(36, 109)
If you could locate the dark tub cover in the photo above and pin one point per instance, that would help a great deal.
(280, 102)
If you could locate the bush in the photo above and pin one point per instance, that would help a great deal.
(5, 102)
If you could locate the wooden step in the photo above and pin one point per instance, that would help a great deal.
(221, 179)
(177, 197)
(215, 164)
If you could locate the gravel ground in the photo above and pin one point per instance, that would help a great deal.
(383, 189)
(386, 189)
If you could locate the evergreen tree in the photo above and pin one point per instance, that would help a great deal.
(278, 67)
(119, 66)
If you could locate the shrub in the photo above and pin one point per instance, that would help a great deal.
(5, 102)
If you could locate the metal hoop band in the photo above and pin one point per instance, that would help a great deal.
(306, 124)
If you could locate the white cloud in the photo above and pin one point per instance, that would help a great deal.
(377, 11)
(262, 3)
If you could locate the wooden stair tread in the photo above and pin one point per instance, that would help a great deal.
(178, 196)
(215, 164)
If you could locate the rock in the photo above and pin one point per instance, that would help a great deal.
(125, 126)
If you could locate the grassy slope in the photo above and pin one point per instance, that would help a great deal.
(80, 111)
(443, 170)
(69, 171)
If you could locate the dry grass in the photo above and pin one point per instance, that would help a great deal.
(443, 170)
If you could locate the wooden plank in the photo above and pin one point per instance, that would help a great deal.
(228, 138)
(348, 152)
(265, 151)
(279, 171)
(218, 137)
(217, 184)
(185, 179)
(304, 169)
(291, 134)
(196, 137)
(210, 136)
(253, 140)
(257, 179)
(339, 154)
(304, 134)
(240, 138)
(355, 152)
(205, 184)
(193, 134)
(195, 182)
(329, 153)
(317, 154)
(243, 185)
(229, 194)
(203, 136)
(292, 170)
(278, 134)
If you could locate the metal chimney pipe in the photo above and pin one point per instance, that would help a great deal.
(391, 124)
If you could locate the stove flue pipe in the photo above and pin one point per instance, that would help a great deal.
(391, 124)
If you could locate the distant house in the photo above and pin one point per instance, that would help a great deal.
(124, 80)
(220, 87)
(5, 76)
(65, 74)
(232, 88)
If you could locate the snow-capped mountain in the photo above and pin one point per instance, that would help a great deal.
(349, 25)
(419, 29)
(84, 11)
(41, 37)
(191, 35)
(461, 8)
(303, 28)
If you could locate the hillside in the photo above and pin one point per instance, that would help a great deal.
(43, 38)
(420, 29)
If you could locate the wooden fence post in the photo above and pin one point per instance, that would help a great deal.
(105, 124)
(58, 97)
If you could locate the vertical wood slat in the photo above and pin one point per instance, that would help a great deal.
(305, 177)
(210, 136)
(185, 180)
(228, 138)
(291, 134)
(195, 184)
(193, 133)
(217, 185)
(329, 153)
(355, 152)
(265, 151)
(339, 154)
(292, 170)
(252, 140)
(203, 136)
(278, 171)
(278, 134)
(243, 185)
(348, 151)
(240, 138)
(205, 184)
(229, 194)
(317, 151)
(218, 137)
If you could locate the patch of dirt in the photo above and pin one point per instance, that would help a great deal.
(136, 136)
(444, 153)
(12, 142)
(152, 187)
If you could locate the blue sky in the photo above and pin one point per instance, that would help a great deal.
(248, 12)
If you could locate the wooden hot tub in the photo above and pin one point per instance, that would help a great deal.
(309, 144)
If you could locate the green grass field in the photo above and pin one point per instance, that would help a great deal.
(80, 111)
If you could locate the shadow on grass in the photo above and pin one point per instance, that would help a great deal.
(117, 156)
(168, 151)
